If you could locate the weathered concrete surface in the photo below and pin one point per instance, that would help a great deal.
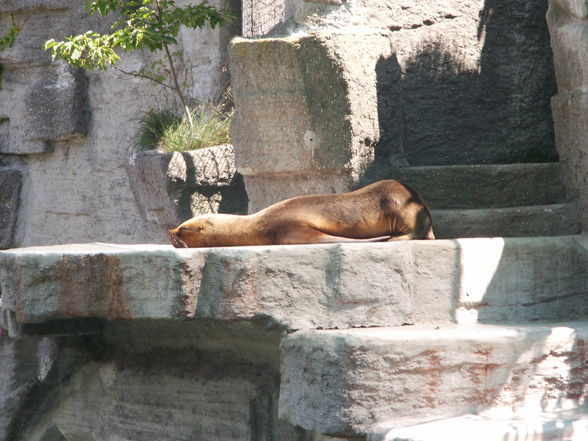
(99, 280)
(172, 187)
(78, 190)
(568, 25)
(55, 108)
(344, 381)
(10, 185)
(552, 426)
(32, 368)
(305, 106)
(446, 85)
(534, 221)
(42, 102)
(304, 286)
(162, 380)
(151, 399)
(482, 186)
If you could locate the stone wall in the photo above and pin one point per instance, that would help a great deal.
(400, 83)
(69, 131)
(568, 23)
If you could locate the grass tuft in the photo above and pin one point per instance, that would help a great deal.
(168, 131)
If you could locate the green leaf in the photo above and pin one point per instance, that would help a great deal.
(76, 54)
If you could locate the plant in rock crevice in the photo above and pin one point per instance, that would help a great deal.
(7, 40)
(167, 131)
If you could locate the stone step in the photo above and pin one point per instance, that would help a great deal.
(528, 221)
(498, 280)
(343, 382)
(483, 186)
(552, 426)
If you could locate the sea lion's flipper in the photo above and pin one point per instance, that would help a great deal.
(310, 236)
(338, 239)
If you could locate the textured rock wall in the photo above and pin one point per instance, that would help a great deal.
(568, 23)
(457, 82)
(172, 187)
(72, 129)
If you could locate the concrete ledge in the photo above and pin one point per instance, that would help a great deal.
(343, 381)
(531, 221)
(98, 280)
(552, 426)
(483, 186)
(304, 286)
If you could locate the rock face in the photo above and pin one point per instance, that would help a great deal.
(10, 186)
(170, 188)
(319, 140)
(453, 82)
(73, 128)
(110, 342)
(32, 368)
(340, 381)
(568, 23)
(103, 342)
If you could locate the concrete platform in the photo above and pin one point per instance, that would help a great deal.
(303, 286)
(343, 382)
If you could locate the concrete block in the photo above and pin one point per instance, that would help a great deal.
(170, 188)
(342, 382)
(304, 286)
(55, 107)
(292, 97)
(99, 280)
(569, 31)
(571, 128)
(568, 27)
(534, 221)
(305, 106)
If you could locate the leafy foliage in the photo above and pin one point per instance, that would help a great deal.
(142, 24)
(150, 24)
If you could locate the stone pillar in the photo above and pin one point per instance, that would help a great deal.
(568, 25)
(306, 112)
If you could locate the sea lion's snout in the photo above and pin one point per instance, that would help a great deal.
(175, 240)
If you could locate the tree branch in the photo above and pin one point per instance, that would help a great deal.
(139, 75)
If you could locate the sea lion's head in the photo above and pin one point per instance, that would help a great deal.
(193, 233)
(207, 230)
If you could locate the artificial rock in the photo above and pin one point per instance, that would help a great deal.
(170, 188)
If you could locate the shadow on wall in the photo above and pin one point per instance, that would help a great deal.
(433, 110)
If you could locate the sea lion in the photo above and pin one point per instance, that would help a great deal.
(385, 210)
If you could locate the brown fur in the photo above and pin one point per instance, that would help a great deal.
(385, 210)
